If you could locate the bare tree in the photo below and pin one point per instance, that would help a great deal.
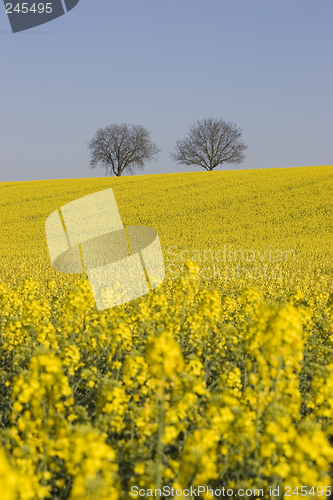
(210, 143)
(121, 148)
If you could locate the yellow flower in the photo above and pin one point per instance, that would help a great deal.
(139, 468)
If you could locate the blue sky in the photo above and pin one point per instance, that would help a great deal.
(266, 65)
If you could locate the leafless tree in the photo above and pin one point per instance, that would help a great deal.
(121, 148)
(210, 143)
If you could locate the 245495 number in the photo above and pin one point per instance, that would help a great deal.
(36, 8)
(319, 491)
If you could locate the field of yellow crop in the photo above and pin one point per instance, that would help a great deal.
(271, 228)
(219, 383)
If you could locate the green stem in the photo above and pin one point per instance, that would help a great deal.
(1, 323)
(277, 378)
(257, 423)
(160, 446)
(245, 370)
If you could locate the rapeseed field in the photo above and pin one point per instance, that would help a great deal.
(216, 384)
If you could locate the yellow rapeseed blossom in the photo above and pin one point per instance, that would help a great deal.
(210, 379)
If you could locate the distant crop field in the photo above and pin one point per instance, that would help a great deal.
(216, 383)
(270, 228)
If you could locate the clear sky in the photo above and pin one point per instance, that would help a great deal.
(266, 65)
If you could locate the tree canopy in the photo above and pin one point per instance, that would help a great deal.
(120, 148)
(210, 143)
